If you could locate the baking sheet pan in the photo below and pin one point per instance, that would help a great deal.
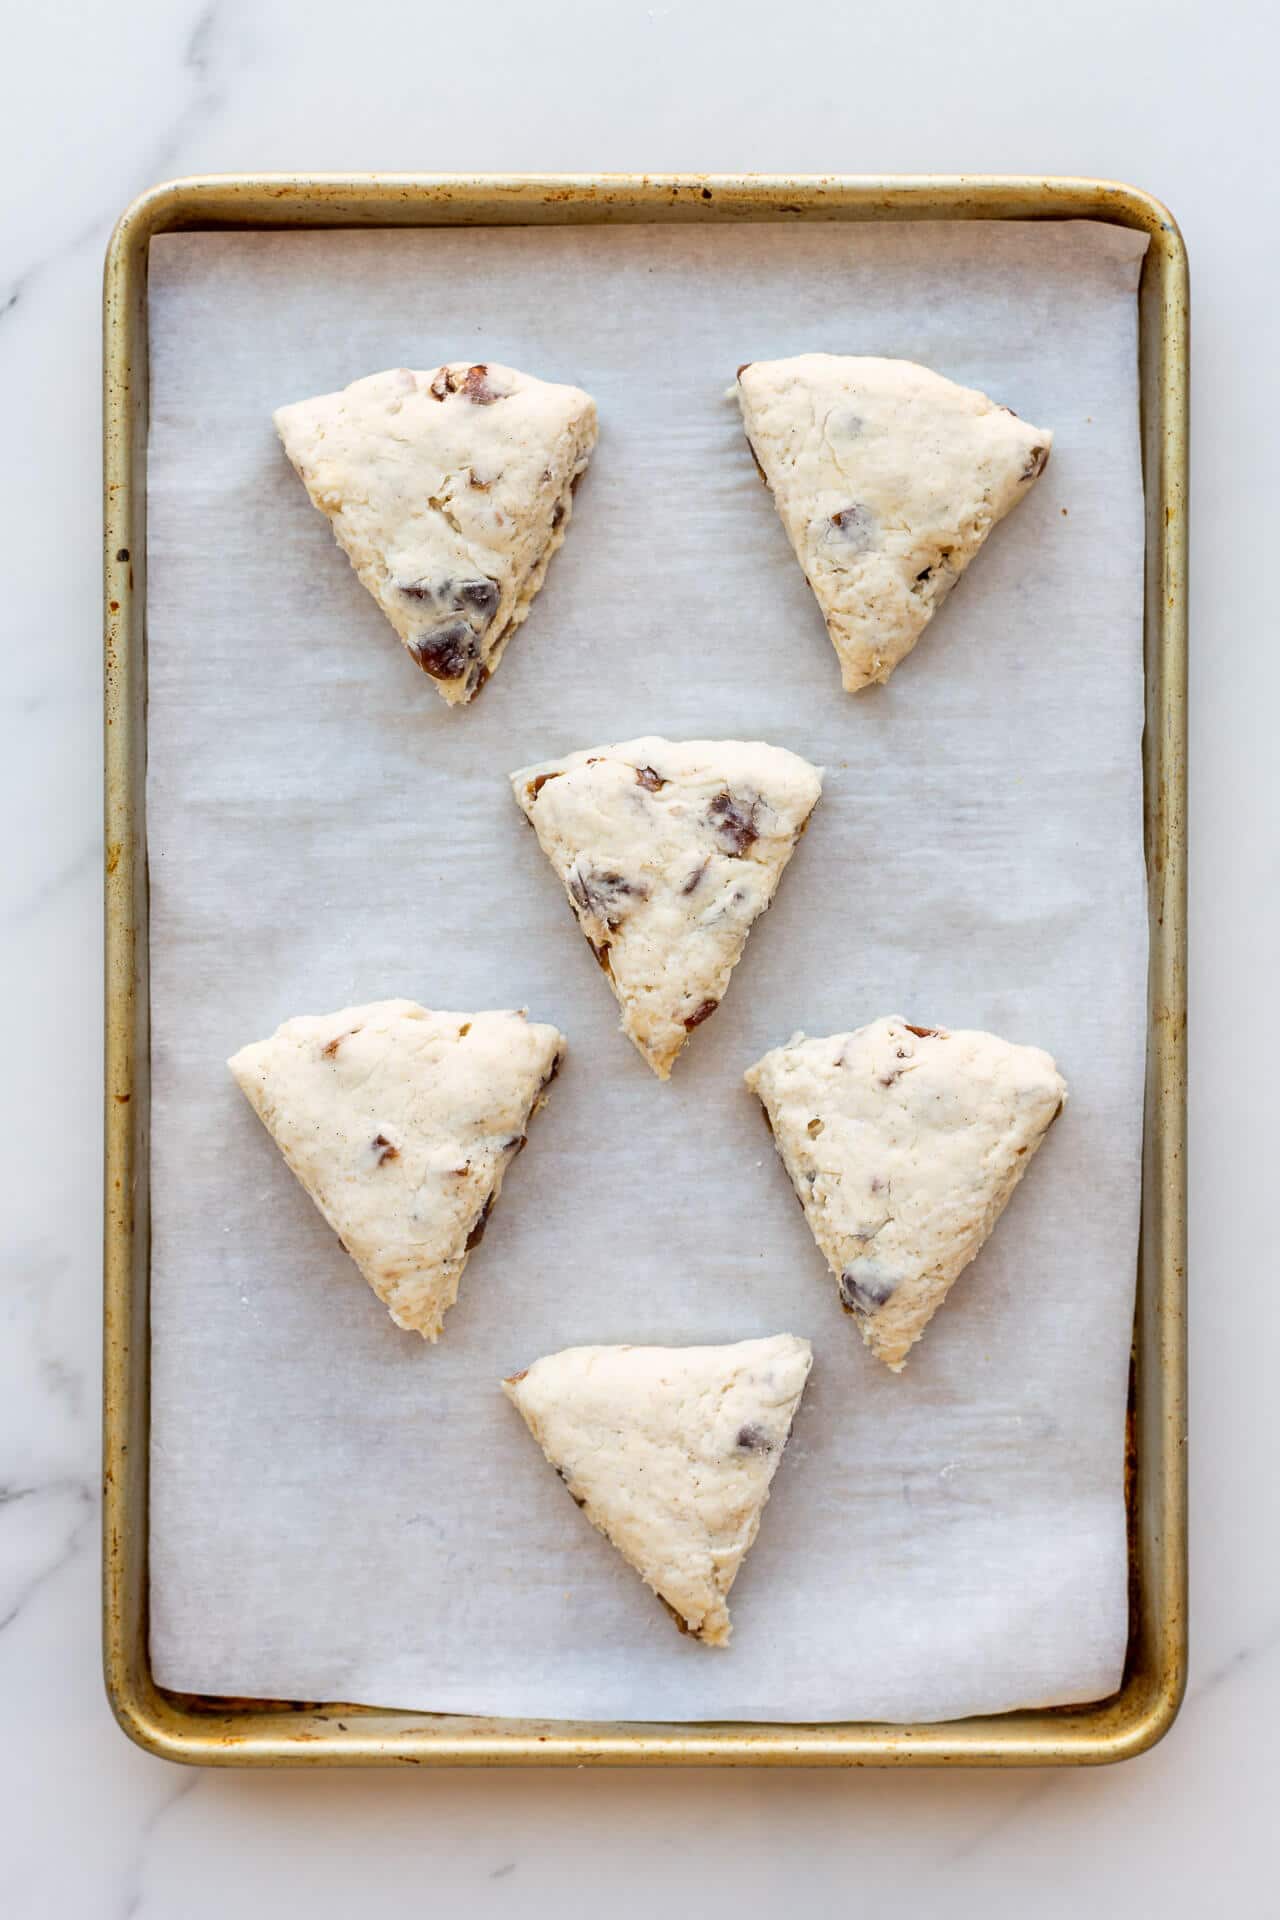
(606, 1038)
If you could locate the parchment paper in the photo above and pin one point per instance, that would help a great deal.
(340, 1511)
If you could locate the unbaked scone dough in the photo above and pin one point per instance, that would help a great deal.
(670, 1452)
(669, 850)
(888, 478)
(400, 1124)
(904, 1144)
(448, 491)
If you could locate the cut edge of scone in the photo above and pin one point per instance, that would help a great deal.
(892, 1298)
(736, 827)
(382, 1150)
(655, 1483)
(529, 587)
(464, 648)
(902, 567)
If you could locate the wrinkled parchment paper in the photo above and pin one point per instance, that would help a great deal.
(340, 1511)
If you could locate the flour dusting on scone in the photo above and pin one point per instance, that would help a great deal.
(448, 491)
(400, 1124)
(904, 1144)
(888, 478)
(670, 1451)
(669, 850)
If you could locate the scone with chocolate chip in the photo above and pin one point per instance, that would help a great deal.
(887, 478)
(400, 1124)
(904, 1145)
(670, 1452)
(669, 850)
(448, 491)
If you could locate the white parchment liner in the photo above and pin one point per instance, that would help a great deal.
(338, 1510)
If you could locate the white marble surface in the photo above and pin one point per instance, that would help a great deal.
(101, 101)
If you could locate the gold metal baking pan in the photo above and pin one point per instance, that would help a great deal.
(278, 1733)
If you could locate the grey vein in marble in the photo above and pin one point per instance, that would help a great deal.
(29, 1566)
(133, 1890)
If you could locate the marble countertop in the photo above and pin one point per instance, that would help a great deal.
(104, 100)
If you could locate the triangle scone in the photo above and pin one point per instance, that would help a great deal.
(904, 1145)
(448, 491)
(670, 1452)
(400, 1124)
(887, 478)
(669, 850)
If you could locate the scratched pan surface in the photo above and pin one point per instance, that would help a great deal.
(278, 1732)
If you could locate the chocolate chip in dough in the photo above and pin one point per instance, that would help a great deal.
(865, 1288)
(447, 652)
(855, 527)
(481, 596)
(476, 388)
(604, 896)
(734, 821)
(577, 1498)
(699, 1014)
(476, 1234)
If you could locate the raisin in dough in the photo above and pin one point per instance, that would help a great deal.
(888, 479)
(448, 491)
(669, 850)
(670, 1452)
(904, 1144)
(400, 1124)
